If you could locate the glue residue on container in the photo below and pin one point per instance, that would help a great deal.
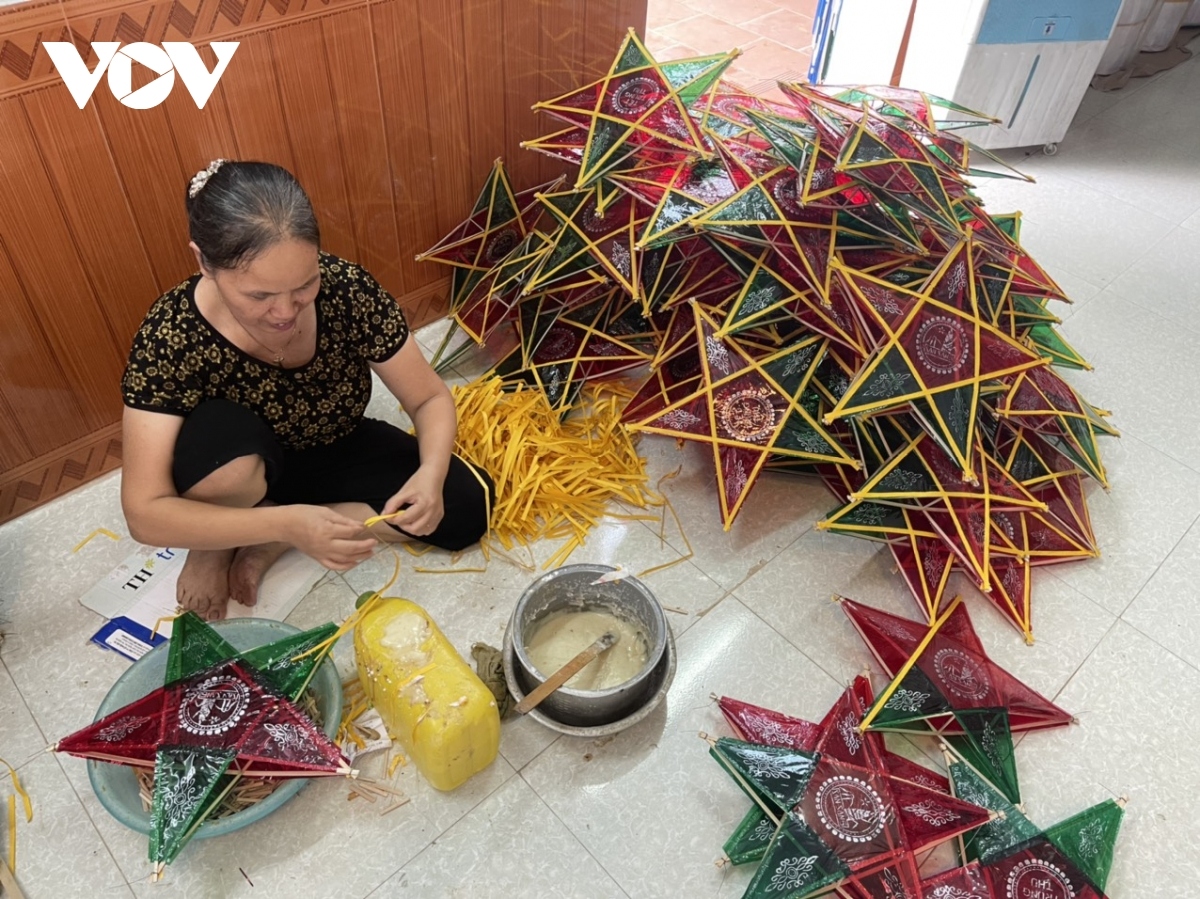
(406, 637)
(565, 633)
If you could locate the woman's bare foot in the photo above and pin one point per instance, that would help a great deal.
(248, 568)
(203, 585)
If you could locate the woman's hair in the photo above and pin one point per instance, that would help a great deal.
(236, 210)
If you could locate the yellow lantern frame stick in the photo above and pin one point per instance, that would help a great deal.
(907, 666)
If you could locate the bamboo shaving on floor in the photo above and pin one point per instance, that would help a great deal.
(361, 733)
(555, 478)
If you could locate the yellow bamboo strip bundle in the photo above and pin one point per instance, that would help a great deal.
(554, 478)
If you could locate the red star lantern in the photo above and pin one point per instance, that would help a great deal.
(220, 713)
(941, 669)
(853, 825)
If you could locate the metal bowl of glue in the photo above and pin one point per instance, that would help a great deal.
(579, 588)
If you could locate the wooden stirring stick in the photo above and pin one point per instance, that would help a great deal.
(566, 672)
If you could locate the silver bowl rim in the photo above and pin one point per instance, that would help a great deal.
(656, 651)
(595, 730)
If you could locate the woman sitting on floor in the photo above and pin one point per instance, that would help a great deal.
(244, 397)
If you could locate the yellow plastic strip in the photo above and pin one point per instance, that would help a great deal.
(396, 763)
(912, 660)
(12, 834)
(356, 616)
(555, 478)
(27, 803)
(99, 532)
(25, 800)
(158, 623)
(686, 542)
(375, 519)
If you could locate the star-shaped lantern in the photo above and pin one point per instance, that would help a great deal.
(834, 808)
(940, 671)
(1010, 856)
(638, 104)
(500, 220)
(221, 715)
(936, 351)
(745, 406)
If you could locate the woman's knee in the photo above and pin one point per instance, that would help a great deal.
(225, 454)
(241, 482)
(468, 504)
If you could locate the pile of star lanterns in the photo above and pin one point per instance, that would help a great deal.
(835, 812)
(812, 286)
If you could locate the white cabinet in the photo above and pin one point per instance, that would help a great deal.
(1025, 62)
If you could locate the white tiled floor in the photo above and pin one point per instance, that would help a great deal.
(1115, 216)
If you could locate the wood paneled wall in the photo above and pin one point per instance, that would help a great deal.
(390, 112)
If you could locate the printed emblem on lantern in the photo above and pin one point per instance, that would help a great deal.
(593, 220)
(684, 366)
(557, 344)
(942, 345)
(787, 194)
(850, 809)
(961, 674)
(636, 96)
(214, 705)
(1036, 879)
(500, 245)
(747, 415)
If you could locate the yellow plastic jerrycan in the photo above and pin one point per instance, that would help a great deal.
(438, 710)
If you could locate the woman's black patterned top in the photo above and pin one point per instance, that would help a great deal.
(179, 360)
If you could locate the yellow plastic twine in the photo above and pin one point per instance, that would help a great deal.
(12, 815)
(554, 478)
(356, 616)
(99, 532)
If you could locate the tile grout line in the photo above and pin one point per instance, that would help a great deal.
(445, 830)
(1186, 325)
(103, 842)
(1165, 649)
(786, 640)
(535, 756)
(1066, 173)
(1074, 674)
(1120, 615)
(32, 717)
(574, 835)
(1120, 619)
(1157, 568)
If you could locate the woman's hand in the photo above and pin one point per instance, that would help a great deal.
(421, 500)
(332, 539)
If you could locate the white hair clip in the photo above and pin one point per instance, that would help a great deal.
(201, 177)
